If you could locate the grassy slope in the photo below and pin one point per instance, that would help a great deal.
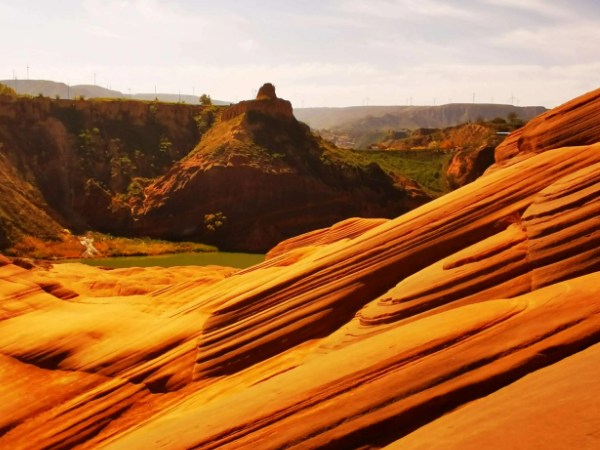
(425, 167)
(70, 247)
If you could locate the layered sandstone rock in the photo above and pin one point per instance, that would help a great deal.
(348, 229)
(574, 123)
(549, 410)
(417, 332)
(102, 282)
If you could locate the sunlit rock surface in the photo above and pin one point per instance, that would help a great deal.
(471, 322)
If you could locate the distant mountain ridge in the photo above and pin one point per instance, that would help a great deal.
(53, 88)
(373, 118)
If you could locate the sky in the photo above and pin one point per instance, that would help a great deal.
(317, 52)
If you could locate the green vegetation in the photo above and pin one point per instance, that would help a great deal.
(87, 144)
(70, 247)
(214, 222)
(425, 167)
(165, 145)
(514, 121)
(137, 186)
(205, 119)
(109, 246)
(5, 90)
(369, 138)
(115, 150)
(205, 100)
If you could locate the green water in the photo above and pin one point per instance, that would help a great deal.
(237, 260)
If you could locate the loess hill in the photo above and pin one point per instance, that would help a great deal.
(244, 177)
(356, 121)
(470, 322)
(271, 178)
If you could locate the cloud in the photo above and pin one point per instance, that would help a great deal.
(541, 7)
(248, 45)
(332, 53)
(105, 8)
(404, 9)
(565, 42)
(135, 11)
(102, 32)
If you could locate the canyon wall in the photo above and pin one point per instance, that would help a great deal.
(80, 164)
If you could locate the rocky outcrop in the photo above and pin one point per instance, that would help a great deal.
(266, 102)
(23, 209)
(468, 165)
(102, 211)
(272, 179)
(417, 332)
(266, 92)
(276, 107)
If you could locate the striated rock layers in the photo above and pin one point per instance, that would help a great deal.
(574, 123)
(471, 322)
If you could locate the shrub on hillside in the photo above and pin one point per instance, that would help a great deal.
(205, 100)
(32, 247)
(5, 90)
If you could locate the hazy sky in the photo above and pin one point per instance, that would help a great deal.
(320, 52)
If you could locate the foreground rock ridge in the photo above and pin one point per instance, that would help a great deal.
(470, 322)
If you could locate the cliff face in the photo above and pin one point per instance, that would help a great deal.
(81, 163)
(418, 332)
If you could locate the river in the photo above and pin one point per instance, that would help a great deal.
(237, 260)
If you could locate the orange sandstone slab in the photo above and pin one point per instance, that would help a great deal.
(556, 408)
(347, 229)
(574, 123)
(262, 314)
(385, 386)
